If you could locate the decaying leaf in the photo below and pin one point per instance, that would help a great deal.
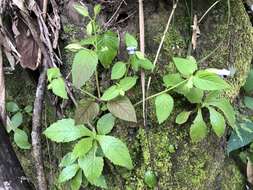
(26, 46)
(250, 172)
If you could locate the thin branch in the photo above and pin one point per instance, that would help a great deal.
(207, 11)
(162, 41)
(142, 48)
(36, 128)
(2, 90)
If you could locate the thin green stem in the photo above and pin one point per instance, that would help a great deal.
(97, 84)
(162, 92)
(89, 94)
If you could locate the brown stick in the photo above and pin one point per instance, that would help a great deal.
(36, 128)
(2, 91)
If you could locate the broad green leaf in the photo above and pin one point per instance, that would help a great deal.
(91, 40)
(76, 181)
(209, 81)
(81, 9)
(91, 165)
(145, 64)
(235, 141)
(99, 182)
(58, 87)
(86, 111)
(21, 139)
(217, 122)
(111, 93)
(130, 40)
(68, 173)
(248, 86)
(97, 9)
(163, 104)
(198, 130)
(65, 131)
(134, 62)
(140, 55)
(195, 95)
(84, 65)
(89, 28)
(170, 80)
(108, 46)
(105, 124)
(185, 66)
(74, 47)
(226, 108)
(115, 150)
(12, 107)
(68, 159)
(53, 73)
(150, 179)
(122, 108)
(248, 101)
(82, 147)
(118, 70)
(28, 109)
(212, 96)
(127, 83)
(182, 117)
(16, 120)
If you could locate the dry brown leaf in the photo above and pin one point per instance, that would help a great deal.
(195, 32)
(250, 172)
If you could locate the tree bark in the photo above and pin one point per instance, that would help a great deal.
(12, 176)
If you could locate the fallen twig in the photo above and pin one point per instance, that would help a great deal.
(36, 128)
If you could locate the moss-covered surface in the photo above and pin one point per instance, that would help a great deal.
(192, 166)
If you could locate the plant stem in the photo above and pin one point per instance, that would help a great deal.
(162, 92)
(97, 84)
(90, 95)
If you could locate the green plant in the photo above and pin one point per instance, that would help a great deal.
(15, 122)
(99, 49)
(89, 152)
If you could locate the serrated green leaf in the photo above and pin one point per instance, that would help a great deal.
(84, 65)
(122, 108)
(226, 108)
(115, 150)
(105, 124)
(111, 93)
(195, 95)
(82, 147)
(74, 47)
(86, 111)
(118, 70)
(89, 28)
(16, 120)
(248, 87)
(67, 160)
(58, 88)
(68, 173)
(108, 45)
(127, 83)
(65, 131)
(182, 117)
(99, 182)
(76, 181)
(53, 73)
(217, 122)
(198, 130)
(97, 9)
(209, 81)
(21, 139)
(81, 9)
(164, 104)
(235, 141)
(170, 80)
(91, 165)
(248, 101)
(130, 40)
(12, 107)
(185, 66)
